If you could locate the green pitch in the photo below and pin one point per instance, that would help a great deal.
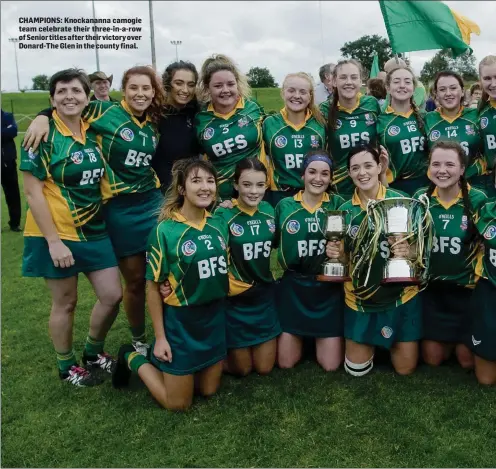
(292, 418)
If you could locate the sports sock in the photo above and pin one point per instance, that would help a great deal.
(138, 333)
(135, 360)
(65, 360)
(93, 347)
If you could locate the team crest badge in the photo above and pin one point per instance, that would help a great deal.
(354, 231)
(490, 232)
(243, 122)
(188, 248)
(222, 242)
(127, 134)
(469, 129)
(394, 130)
(237, 230)
(314, 141)
(293, 226)
(464, 224)
(77, 157)
(484, 122)
(208, 133)
(386, 332)
(435, 134)
(31, 154)
(339, 124)
(272, 225)
(281, 141)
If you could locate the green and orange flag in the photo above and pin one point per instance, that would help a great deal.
(426, 25)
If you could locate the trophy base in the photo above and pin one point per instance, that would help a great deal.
(399, 271)
(404, 280)
(329, 278)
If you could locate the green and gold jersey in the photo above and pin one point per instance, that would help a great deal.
(301, 244)
(486, 224)
(286, 144)
(71, 169)
(250, 244)
(372, 296)
(487, 122)
(193, 258)
(405, 142)
(226, 139)
(464, 129)
(128, 146)
(353, 127)
(456, 244)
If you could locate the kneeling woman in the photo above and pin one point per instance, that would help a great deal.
(252, 322)
(375, 315)
(452, 278)
(65, 232)
(188, 248)
(483, 328)
(306, 306)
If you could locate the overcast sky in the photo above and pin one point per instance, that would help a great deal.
(283, 36)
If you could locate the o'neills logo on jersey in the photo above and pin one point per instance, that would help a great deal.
(435, 134)
(188, 248)
(272, 226)
(469, 129)
(354, 231)
(464, 224)
(314, 141)
(127, 134)
(208, 133)
(281, 141)
(386, 332)
(77, 157)
(490, 232)
(394, 130)
(236, 230)
(222, 242)
(369, 119)
(339, 124)
(243, 122)
(154, 141)
(484, 122)
(293, 226)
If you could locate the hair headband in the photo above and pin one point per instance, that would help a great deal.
(321, 157)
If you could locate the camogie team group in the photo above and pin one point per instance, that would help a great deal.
(185, 188)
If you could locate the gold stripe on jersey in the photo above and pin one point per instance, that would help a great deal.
(390, 110)
(66, 132)
(448, 118)
(381, 194)
(453, 201)
(350, 110)
(284, 114)
(133, 118)
(299, 198)
(239, 105)
(179, 217)
(237, 286)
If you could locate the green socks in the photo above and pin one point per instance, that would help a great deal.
(93, 347)
(65, 360)
(135, 360)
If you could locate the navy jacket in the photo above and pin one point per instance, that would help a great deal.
(9, 132)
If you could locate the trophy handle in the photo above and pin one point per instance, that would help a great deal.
(320, 209)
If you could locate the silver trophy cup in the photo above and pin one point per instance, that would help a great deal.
(334, 230)
(397, 220)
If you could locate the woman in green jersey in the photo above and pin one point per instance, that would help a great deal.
(306, 306)
(482, 331)
(65, 232)
(401, 132)
(487, 111)
(452, 278)
(452, 121)
(229, 125)
(351, 120)
(128, 135)
(375, 315)
(291, 133)
(188, 248)
(252, 322)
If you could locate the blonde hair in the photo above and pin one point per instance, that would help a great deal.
(174, 197)
(488, 60)
(311, 105)
(217, 63)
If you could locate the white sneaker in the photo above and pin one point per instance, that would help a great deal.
(142, 348)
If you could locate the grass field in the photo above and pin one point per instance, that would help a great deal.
(295, 418)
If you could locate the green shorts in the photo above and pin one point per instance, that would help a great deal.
(383, 329)
(410, 186)
(89, 256)
(483, 328)
(196, 335)
(251, 317)
(446, 312)
(309, 308)
(130, 218)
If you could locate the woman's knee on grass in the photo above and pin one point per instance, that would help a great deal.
(434, 353)
(404, 356)
(465, 357)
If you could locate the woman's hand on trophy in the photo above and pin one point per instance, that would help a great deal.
(401, 249)
(335, 249)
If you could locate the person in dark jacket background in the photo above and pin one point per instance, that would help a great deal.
(177, 134)
(10, 182)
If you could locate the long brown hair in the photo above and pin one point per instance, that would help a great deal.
(155, 109)
(311, 105)
(488, 60)
(181, 170)
(415, 109)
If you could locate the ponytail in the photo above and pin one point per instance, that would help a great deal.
(417, 115)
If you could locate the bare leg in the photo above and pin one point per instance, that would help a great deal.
(404, 356)
(485, 371)
(264, 356)
(465, 357)
(435, 353)
(329, 352)
(133, 270)
(289, 350)
(207, 381)
(239, 361)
